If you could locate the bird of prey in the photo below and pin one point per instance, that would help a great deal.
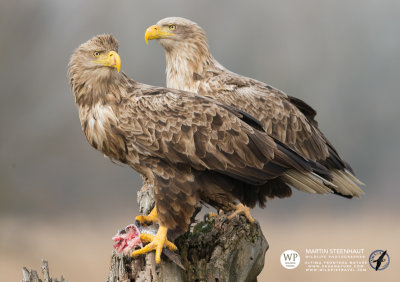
(191, 148)
(190, 66)
(379, 260)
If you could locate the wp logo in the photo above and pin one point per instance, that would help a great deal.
(290, 259)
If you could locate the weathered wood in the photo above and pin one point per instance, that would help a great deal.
(145, 198)
(32, 276)
(215, 250)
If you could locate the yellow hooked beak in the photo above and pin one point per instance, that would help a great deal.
(155, 32)
(111, 59)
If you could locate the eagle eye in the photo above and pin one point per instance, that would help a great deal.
(172, 27)
(96, 53)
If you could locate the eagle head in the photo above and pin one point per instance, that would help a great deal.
(95, 61)
(175, 32)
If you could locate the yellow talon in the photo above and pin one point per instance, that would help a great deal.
(147, 238)
(148, 219)
(241, 209)
(157, 243)
(210, 215)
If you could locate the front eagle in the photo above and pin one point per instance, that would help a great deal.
(190, 147)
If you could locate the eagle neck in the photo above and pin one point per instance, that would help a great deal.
(98, 101)
(186, 65)
(103, 89)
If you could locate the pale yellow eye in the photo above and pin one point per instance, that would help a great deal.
(96, 53)
(172, 27)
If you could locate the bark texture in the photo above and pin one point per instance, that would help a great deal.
(216, 249)
(32, 275)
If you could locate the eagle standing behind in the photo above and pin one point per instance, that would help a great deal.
(191, 67)
(191, 147)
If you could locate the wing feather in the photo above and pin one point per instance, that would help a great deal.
(209, 136)
(285, 118)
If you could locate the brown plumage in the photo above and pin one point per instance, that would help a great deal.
(191, 147)
(191, 67)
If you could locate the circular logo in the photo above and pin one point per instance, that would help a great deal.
(290, 259)
(379, 260)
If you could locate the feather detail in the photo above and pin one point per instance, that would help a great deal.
(291, 121)
(185, 143)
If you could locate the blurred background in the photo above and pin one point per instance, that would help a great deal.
(62, 200)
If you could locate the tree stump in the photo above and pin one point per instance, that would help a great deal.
(216, 249)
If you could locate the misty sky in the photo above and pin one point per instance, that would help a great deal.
(341, 58)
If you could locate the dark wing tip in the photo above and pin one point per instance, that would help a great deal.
(250, 120)
(306, 109)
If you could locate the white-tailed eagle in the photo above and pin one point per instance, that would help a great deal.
(191, 67)
(191, 147)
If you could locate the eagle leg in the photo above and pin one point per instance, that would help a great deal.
(148, 219)
(157, 242)
(241, 209)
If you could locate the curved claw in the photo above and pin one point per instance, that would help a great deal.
(241, 209)
(148, 219)
(157, 243)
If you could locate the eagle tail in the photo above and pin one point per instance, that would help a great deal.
(346, 184)
(353, 178)
(341, 184)
(307, 182)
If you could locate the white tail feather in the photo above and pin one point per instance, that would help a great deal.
(353, 178)
(323, 180)
(297, 184)
(306, 182)
(346, 184)
(342, 182)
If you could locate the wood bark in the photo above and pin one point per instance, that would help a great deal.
(32, 275)
(216, 249)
